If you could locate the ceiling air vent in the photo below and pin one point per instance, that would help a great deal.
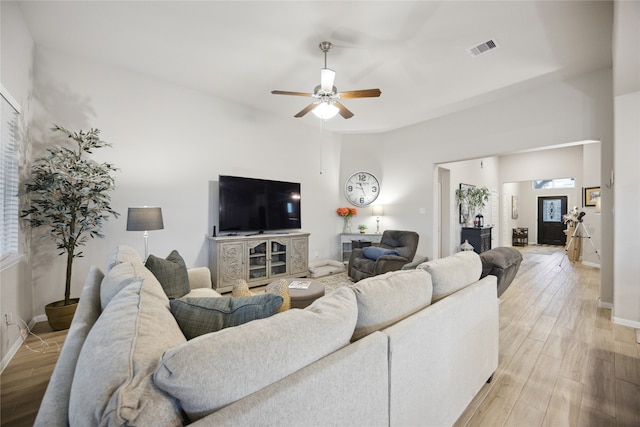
(483, 48)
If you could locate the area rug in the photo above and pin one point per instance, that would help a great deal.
(335, 281)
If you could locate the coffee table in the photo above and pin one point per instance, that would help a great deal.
(301, 298)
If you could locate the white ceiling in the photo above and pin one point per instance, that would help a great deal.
(415, 52)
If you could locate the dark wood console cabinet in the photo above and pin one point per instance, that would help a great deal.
(479, 238)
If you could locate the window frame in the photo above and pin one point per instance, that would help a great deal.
(9, 251)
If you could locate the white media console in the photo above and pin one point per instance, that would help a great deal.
(259, 259)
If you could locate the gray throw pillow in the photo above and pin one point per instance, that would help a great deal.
(171, 273)
(199, 316)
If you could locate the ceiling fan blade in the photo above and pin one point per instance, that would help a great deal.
(365, 93)
(344, 112)
(327, 77)
(306, 109)
(284, 92)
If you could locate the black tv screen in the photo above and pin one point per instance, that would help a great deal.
(258, 205)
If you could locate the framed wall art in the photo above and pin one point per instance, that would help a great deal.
(514, 207)
(590, 196)
(464, 206)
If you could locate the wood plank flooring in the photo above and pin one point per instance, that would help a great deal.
(562, 362)
(25, 379)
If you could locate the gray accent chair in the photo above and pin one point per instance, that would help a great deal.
(404, 242)
(502, 262)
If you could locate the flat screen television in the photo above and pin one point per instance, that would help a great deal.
(258, 205)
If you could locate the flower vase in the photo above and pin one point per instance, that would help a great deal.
(469, 222)
(346, 228)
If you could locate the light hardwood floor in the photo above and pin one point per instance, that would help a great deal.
(562, 361)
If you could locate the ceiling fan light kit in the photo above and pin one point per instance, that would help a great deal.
(325, 110)
(327, 106)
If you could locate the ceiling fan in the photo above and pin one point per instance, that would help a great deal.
(327, 103)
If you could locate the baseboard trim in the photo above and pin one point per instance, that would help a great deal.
(12, 352)
(602, 304)
(626, 322)
(16, 345)
(38, 319)
(591, 264)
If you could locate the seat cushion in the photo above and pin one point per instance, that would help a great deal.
(452, 273)
(171, 273)
(199, 316)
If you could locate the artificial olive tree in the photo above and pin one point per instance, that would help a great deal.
(69, 195)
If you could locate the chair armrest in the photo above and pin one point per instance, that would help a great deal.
(199, 277)
(387, 263)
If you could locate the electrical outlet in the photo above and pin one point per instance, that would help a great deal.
(8, 318)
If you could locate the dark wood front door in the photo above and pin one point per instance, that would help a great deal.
(550, 224)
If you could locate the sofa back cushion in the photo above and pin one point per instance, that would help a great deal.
(120, 254)
(112, 384)
(213, 370)
(390, 297)
(453, 273)
(54, 409)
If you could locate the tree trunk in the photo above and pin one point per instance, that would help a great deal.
(67, 288)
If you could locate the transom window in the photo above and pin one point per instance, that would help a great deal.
(544, 184)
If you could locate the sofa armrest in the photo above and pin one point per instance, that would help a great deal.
(199, 277)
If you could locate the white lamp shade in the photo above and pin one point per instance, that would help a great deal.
(378, 210)
(325, 110)
(144, 219)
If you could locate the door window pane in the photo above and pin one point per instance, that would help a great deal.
(552, 210)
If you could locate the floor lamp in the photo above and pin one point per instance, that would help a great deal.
(145, 219)
(378, 211)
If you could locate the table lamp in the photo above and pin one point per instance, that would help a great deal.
(378, 211)
(144, 219)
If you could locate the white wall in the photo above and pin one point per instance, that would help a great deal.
(482, 172)
(568, 162)
(577, 109)
(626, 185)
(15, 76)
(170, 144)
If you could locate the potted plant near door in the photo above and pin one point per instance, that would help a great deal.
(69, 198)
(475, 199)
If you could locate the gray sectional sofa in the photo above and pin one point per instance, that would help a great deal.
(410, 347)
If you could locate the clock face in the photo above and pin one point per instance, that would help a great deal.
(362, 188)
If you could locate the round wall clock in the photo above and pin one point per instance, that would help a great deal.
(362, 188)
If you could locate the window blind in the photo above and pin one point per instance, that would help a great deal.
(9, 172)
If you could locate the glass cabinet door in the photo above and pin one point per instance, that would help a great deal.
(257, 260)
(279, 257)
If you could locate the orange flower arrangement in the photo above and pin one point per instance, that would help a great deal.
(346, 212)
